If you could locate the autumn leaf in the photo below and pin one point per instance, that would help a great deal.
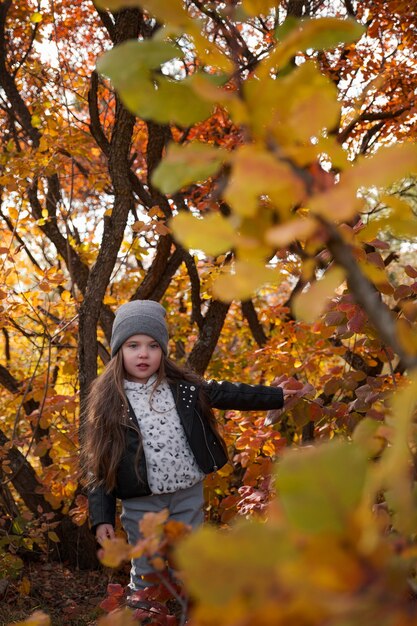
(255, 173)
(309, 304)
(386, 167)
(243, 280)
(152, 523)
(187, 164)
(214, 234)
(172, 12)
(246, 557)
(393, 472)
(284, 234)
(320, 488)
(38, 618)
(114, 552)
(257, 7)
(327, 32)
(293, 110)
(119, 617)
(130, 66)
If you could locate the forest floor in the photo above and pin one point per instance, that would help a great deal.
(69, 597)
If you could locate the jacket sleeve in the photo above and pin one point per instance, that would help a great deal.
(101, 507)
(242, 397)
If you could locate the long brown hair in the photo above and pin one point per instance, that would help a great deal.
(106, 417)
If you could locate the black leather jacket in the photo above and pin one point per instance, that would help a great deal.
(204, 441)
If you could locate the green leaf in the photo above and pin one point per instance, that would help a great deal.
(288, 25)
(129, 58)
(176, 102)
(178, 23)
(187, 164)
(214, 234)
(319, 34)
(321, 488)
(134, 69)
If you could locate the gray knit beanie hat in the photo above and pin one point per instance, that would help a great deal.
(139, 317)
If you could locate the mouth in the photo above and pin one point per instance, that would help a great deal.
(142, 366)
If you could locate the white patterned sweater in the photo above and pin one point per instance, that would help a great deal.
(170, 462)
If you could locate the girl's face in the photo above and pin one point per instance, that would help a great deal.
(142, 357)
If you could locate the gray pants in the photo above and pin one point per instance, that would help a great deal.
(184, 506)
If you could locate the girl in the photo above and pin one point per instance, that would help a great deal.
(151, 435)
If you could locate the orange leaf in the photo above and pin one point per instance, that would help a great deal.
(114, 552)
(152, 523)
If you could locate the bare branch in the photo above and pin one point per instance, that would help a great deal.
(95, 124)
(202, 351)
(7, 82)
(251, 315)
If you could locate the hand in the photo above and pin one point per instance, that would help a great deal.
(293, 391)
(103, 532)
(290, 386)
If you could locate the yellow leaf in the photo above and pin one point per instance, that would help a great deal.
(152, 523)
(257, 7)
(243, 281)
(120, 617)
(114, 552)
(36, 17)
(407, 336)
(326, 32)
(13, 213)
(24, 586)
(187, 164)
(376, 274)
(245, 557)
(399, 207)
(36, 121)
(287, 232)
(53, 536)
(310, 304)
(383, 169)
(38, 618)
(393, 472)
(214, 234)
(296, 107)
(66, 296)
(257, 173)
